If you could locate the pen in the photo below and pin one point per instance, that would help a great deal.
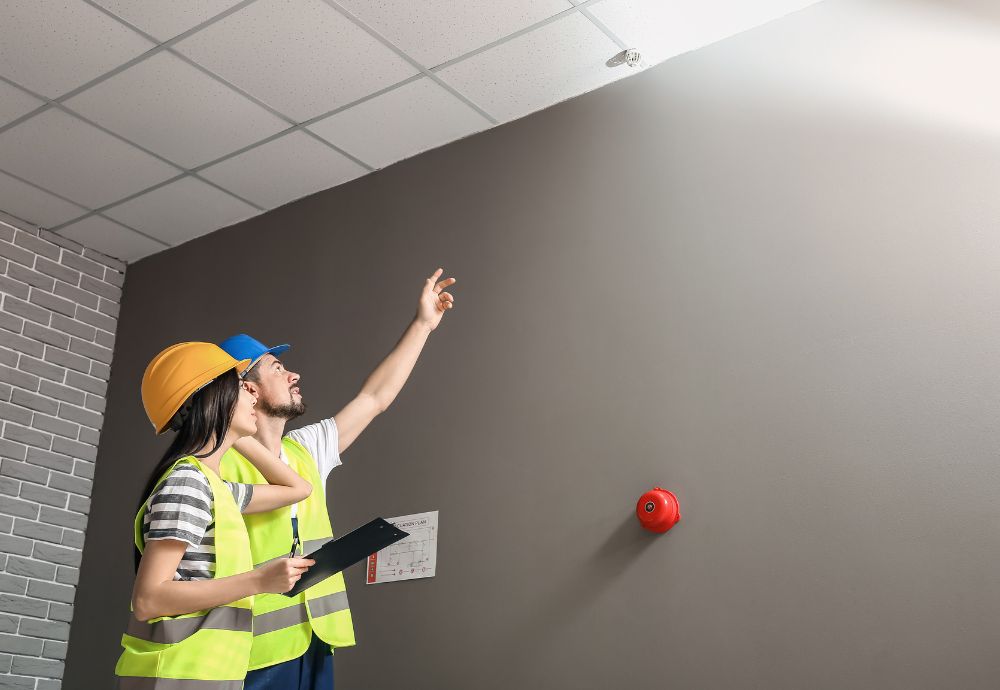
(295, 545)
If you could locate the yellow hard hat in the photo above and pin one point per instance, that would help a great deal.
(179, 372)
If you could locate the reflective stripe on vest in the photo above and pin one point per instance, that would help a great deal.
(283, 626)
(136, 683)
(172, 630)
(331, 603)
(206, 650)
(293, 615)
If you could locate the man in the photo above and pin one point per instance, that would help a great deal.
(294, 637)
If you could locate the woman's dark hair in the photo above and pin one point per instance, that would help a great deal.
(205, 417)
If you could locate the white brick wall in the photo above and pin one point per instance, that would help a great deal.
(57, 330)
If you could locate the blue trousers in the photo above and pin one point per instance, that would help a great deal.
(311, 671)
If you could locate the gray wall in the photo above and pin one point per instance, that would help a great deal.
(57, 324)
(784, 313)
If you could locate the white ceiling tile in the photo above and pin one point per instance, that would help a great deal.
(177, 111)
(435, 31)
(660, 29)
(283, 170)
(53, 46)
(301, 57)
(401, 123)
(110, 238)
(14, 103)
(164, 20)
(181, 211)
(33, 205)
(557, 61)
(67, 156)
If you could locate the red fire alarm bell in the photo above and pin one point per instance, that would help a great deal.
(658, 510)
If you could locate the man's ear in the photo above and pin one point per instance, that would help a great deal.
(253, 387)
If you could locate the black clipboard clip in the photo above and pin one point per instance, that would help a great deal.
(339, 554)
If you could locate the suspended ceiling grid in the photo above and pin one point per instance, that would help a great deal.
(131, 126)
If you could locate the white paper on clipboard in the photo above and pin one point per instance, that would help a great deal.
(411, 558)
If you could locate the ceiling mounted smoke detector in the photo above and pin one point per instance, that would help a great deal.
(630, 57)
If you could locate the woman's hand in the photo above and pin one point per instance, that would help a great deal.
(284, 486)
(279, 576)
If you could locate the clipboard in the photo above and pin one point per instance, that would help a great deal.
(339, 554)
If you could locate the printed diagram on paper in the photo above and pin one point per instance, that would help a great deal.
(413, 557)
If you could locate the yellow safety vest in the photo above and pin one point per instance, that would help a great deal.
(283, 626)
(205, 650)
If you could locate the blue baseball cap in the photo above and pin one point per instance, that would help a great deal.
(242, 346)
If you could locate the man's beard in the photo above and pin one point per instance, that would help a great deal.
(289, 410)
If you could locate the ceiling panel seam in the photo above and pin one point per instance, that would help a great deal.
(401, 53)
(294, 125)
(233, 87)
(302, 126)
(89, 212)
(101, 209)
(137, 232)
(152, 153)
(43, 189)
(149, 53)
(429, 72)
(600, 25)
(517, 34)
(69, 111)
(46, 104)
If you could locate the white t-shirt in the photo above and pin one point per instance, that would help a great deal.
(323, 443)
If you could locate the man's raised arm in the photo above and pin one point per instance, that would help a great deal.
(384, 383)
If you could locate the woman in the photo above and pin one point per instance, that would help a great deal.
(191, 604)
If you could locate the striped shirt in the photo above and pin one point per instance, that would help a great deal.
(181, 509)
